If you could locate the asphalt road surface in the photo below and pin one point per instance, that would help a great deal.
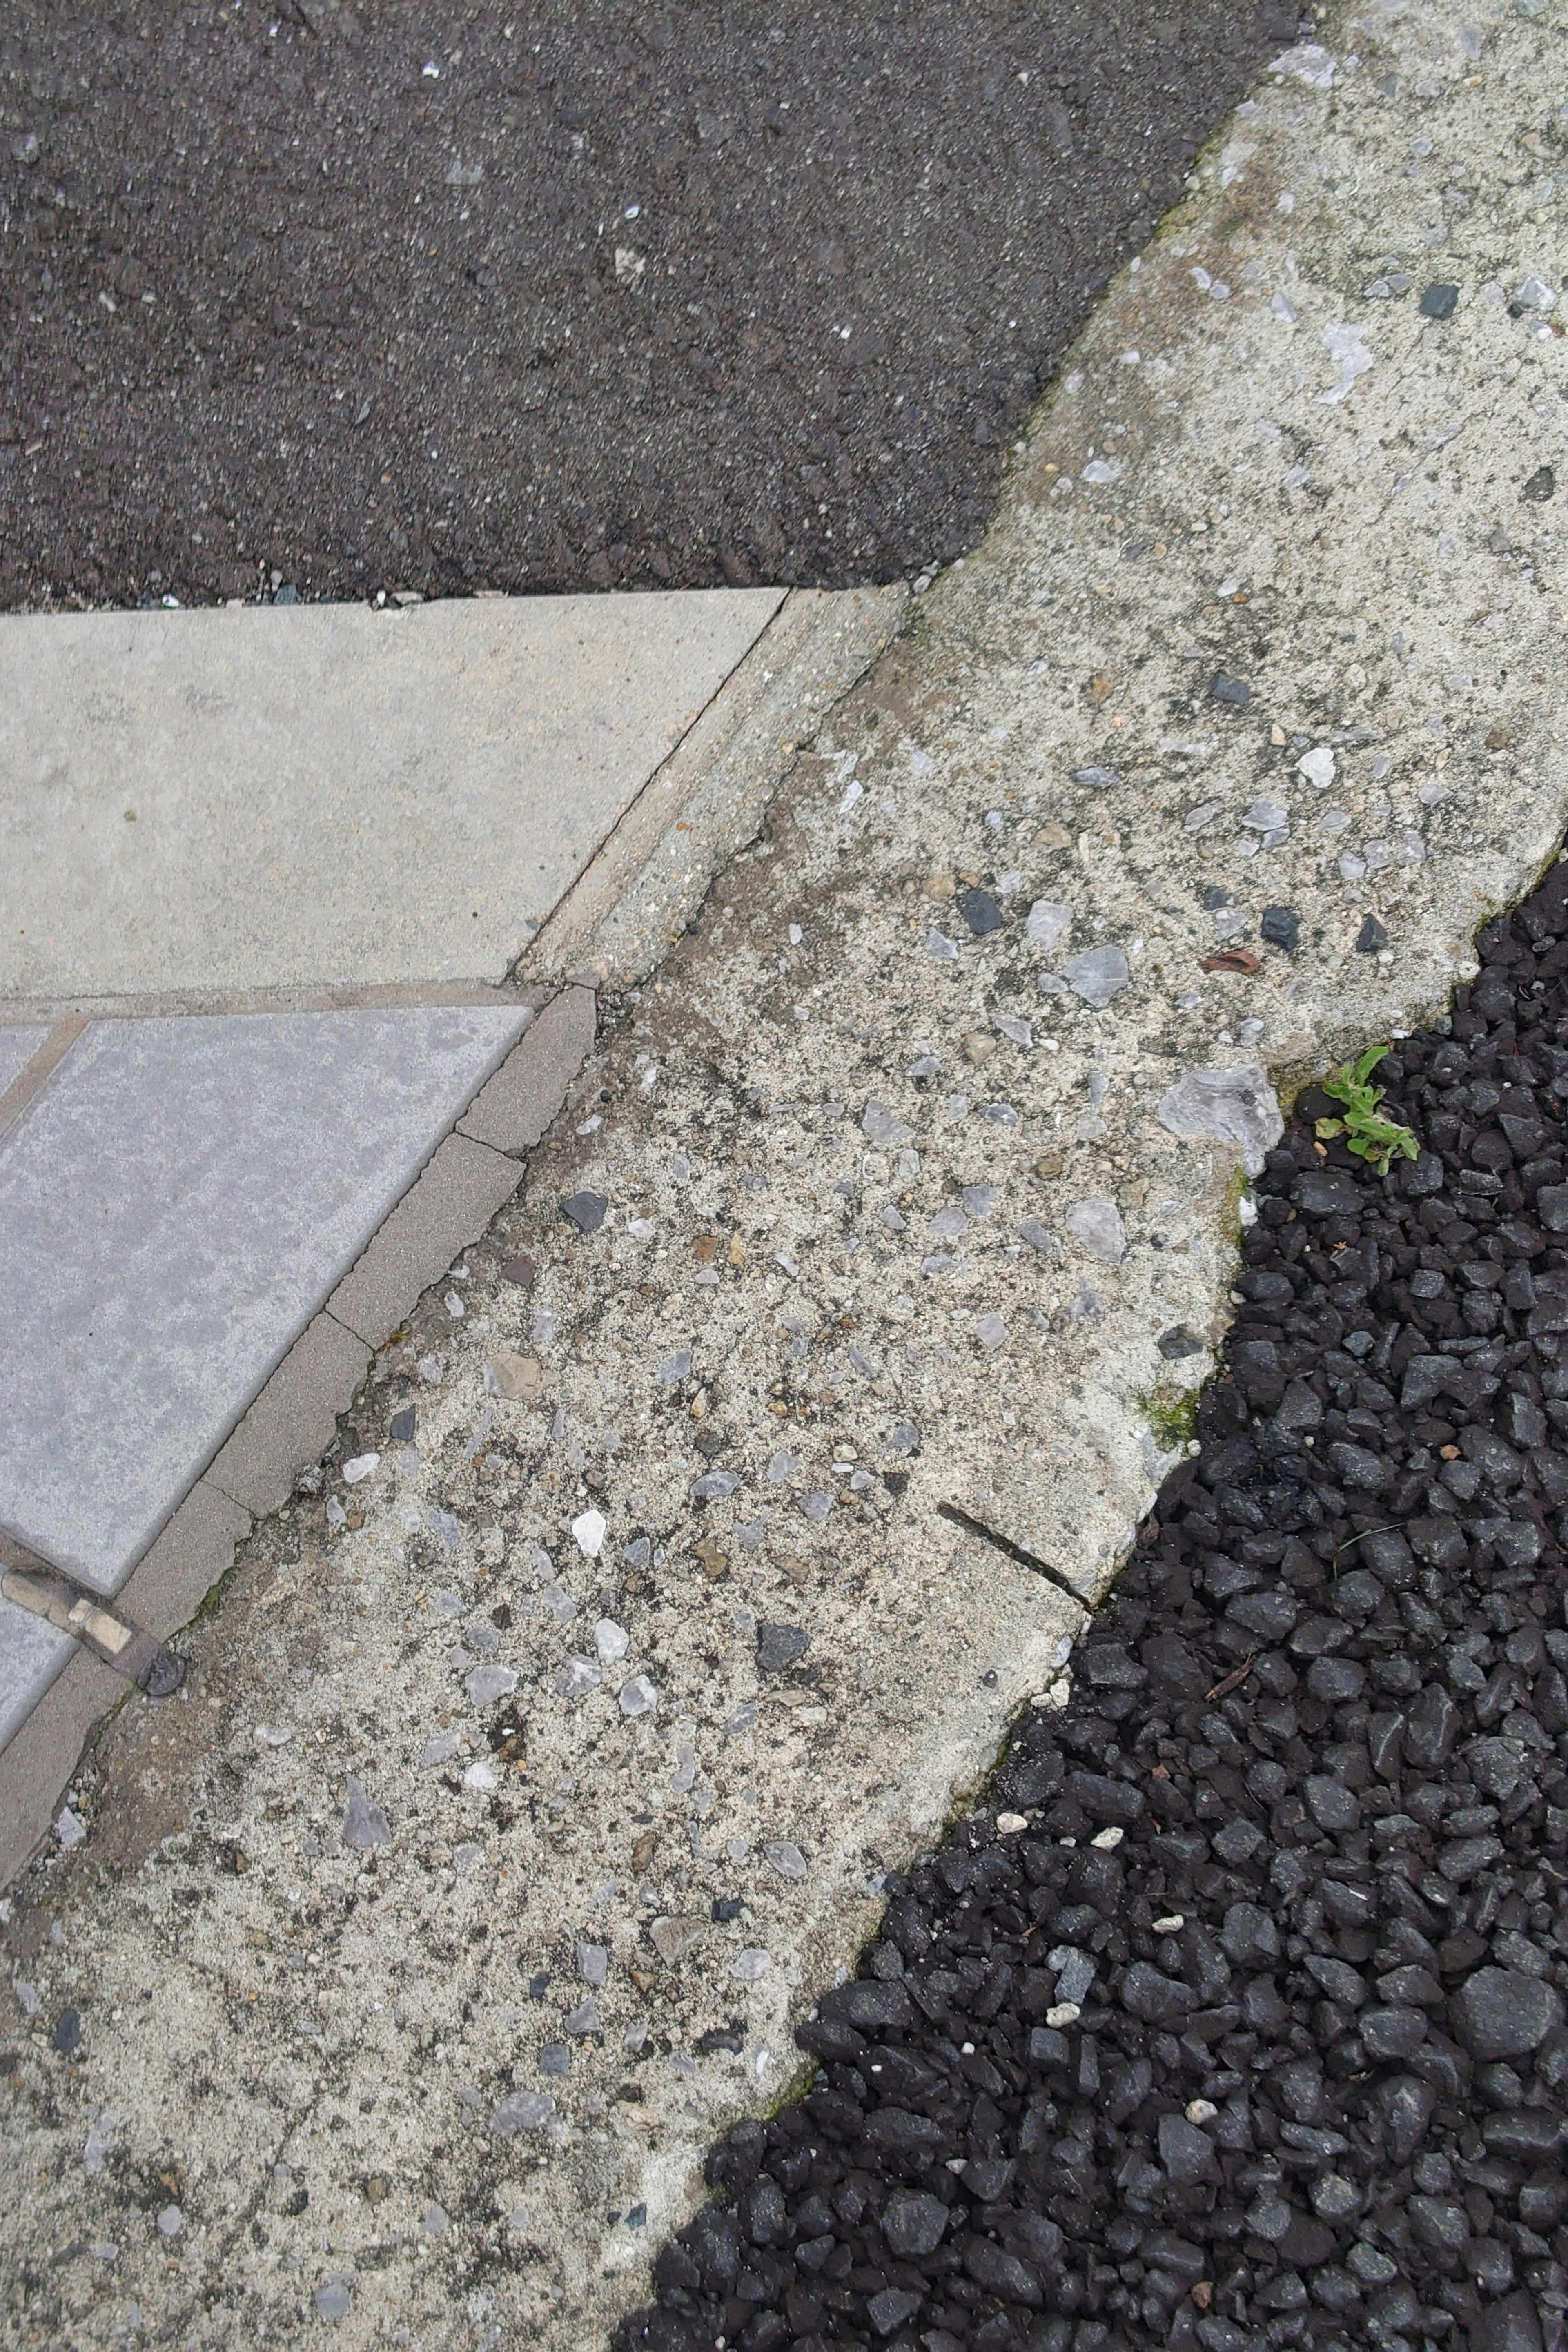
(350, 298)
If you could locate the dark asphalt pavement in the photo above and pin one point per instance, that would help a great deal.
(551, 297)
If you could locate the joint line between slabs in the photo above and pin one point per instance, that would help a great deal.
(959, 1517)
(31, 1080)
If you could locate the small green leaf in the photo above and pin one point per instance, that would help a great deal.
(1370, 1136)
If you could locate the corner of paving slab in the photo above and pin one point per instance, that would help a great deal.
(907, 1180)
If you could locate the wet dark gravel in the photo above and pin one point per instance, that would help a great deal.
(1296, 1850)
(383, 297)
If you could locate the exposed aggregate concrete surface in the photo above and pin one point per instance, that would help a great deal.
(404, 1974)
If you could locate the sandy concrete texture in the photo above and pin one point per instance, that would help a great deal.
(236, 799)
(503, 1811)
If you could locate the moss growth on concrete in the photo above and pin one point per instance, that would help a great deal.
(1171, 1413)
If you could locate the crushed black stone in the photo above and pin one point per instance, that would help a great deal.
(1310, 2087)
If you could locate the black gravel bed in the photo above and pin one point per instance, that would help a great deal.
(348, 296)
(1295, 1852)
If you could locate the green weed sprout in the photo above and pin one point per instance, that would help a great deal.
(1366, 1132)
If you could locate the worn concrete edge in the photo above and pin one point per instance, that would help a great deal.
(176, 1003)
(708, 797)
(294, 1407)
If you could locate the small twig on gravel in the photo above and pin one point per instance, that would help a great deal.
(1236, 1677)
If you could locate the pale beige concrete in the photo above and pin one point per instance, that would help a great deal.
(328, 794)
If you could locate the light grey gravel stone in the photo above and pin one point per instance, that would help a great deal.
(521, 2111)
(1266, 817)
(577, 1678)
(1236, 1106)
(1098, 1225)
(1096, 975)
(364, 1823)
(1049, 924)
(489, 1682)
(879, 1126)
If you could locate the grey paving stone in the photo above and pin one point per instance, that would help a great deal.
(18, 1043)
(328, 795)
(174, 1205)
(452, 1203)
(516, 1105)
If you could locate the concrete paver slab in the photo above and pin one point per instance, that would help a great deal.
(173, 1206)
(211, 801)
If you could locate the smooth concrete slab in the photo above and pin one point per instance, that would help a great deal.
(175, 1204)
(18, 1044)
(327, 795)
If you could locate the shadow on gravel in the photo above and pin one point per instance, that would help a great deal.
(381, 297)
(1245, 2029)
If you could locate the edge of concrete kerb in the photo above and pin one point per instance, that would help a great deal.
(706, 800)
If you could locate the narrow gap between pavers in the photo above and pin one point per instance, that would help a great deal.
(1234, 2017)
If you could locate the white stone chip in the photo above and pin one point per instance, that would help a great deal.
(577, 1678)
(1319, 766)
(1310, 62)
(1350, 357)
(588, 1532)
